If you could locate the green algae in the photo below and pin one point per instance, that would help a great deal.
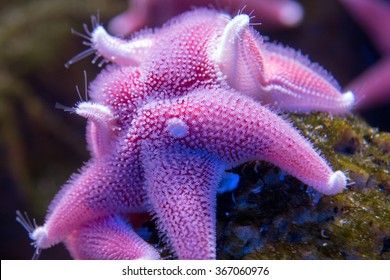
(274, 216)
(350, 144)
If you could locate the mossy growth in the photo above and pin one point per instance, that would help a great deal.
(272, 215)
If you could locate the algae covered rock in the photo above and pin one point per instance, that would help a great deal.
(272, 215)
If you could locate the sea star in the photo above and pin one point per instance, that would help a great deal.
(273, 13)
(176, 108)
(373, 86)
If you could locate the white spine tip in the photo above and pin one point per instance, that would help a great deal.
(348, 98)
(177, 128)
(337, 183)
(39, 236)
(241, 20)
(291, 14)
(99, 34)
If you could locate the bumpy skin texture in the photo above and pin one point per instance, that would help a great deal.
(183, 104)
(110, 238)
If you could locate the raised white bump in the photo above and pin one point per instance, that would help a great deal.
(177, 127)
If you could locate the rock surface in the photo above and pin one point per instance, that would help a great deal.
(271, 215)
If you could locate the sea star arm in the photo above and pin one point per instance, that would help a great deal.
(274, 74)
(113, 49)
(120, 51)
(109, 238)
(131, 20)
(236, 129)
(98, 191)
(100, 127)
(373, 86)
(374, 17)
(181, 186)
(273, 13)
(193, 139)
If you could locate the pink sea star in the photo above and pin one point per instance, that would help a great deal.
(273, 13)
(176, 108)
(373, 86)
